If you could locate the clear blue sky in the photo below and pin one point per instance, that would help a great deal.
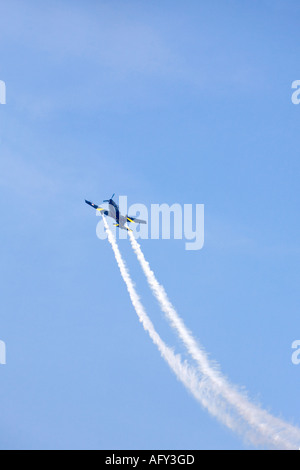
(163, 101)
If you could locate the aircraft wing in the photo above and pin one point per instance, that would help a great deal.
(135, 220)
(98, 208)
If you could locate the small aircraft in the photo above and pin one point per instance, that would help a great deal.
(114, 212)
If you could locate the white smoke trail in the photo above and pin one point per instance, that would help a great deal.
(263, 427)
(199, 388)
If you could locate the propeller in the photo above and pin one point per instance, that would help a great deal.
(108, 200)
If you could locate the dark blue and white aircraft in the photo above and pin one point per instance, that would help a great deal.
(114, 212)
